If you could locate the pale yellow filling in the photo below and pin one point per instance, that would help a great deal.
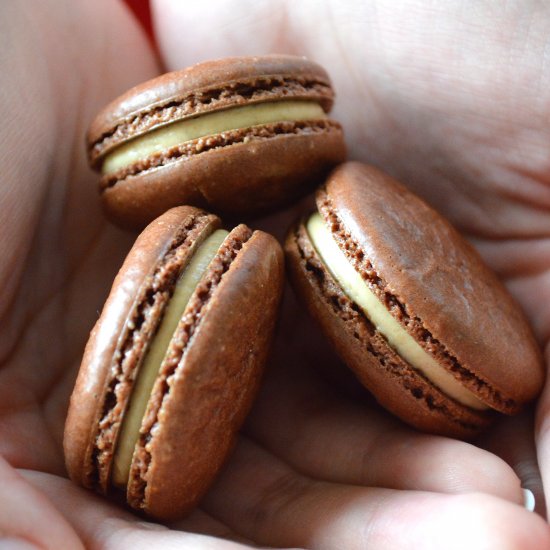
(398, 338)
(208, 124)
(143, 385)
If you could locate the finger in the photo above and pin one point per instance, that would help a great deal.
(524, 264)
(66, 77)
(513, 440)
(198, 521)
(325, 437)
(268, 502)
(28, 517)
(58, 252)
(102, 524)
(542, 434)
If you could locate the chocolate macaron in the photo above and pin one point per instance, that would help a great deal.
(172, 365)
(239, 136)
(410, 307)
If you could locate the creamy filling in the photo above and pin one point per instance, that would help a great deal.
(177, 133)
(397, 337)
(143, 385)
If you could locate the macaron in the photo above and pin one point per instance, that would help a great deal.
(240, 136)
(172, 364)
(410, 306)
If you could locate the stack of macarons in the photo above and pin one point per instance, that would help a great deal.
(174, 361)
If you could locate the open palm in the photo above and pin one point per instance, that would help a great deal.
(453, 103)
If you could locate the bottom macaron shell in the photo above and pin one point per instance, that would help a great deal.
(102, 371)
(234, 180)
(395, 385)
(215, 382)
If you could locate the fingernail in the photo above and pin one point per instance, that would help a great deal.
(528, 500)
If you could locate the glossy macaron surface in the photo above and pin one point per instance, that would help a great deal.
(239, 135)
(209, 373)
(435, 287)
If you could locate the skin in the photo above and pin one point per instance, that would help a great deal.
(453, 100)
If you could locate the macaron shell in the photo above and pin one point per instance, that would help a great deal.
(396, 386)
(215, 382)
(233, 180)
(87, 400)
(439, 279)
(173, 87)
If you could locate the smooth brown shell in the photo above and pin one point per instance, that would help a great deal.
(201, 80)
(216, 380)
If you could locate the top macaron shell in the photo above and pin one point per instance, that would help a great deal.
(233, 173)
(206, 78)
(420, 259)
(214, 382)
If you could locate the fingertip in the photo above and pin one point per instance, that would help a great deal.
(448, 466)
(473, 521)
(487, 473)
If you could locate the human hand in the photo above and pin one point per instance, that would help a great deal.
(315, 467)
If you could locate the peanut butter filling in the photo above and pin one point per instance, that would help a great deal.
(397, 337)
(176, 133)
(131, 423)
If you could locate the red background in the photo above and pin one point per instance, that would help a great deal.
(143, 13)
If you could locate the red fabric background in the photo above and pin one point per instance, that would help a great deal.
(143, 13)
